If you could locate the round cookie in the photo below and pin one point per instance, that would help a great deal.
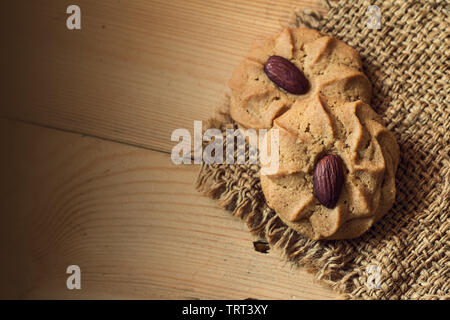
(370, 156)
(331, 67)
(333, 117)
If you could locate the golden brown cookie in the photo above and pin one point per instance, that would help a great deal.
(331, 67)
(312, 129)
(332, 118)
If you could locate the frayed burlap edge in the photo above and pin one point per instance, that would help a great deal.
(336, 263)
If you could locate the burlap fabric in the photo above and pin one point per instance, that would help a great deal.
(407, 63)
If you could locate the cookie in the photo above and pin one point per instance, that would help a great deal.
(331, 67)
(312, 129)
(332, 118)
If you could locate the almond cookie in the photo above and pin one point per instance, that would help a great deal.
(329, 65)
(337, 162)
(313, 129)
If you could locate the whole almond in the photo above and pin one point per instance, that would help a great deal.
(328, 180)
(286, 75)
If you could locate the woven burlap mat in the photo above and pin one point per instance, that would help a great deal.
(407, 63)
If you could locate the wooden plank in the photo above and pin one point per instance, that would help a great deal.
(136, 70)
(130, 219)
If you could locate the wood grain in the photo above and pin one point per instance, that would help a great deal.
(136, 70)
(130, 219)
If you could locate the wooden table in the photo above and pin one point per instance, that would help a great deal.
(87, 178)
